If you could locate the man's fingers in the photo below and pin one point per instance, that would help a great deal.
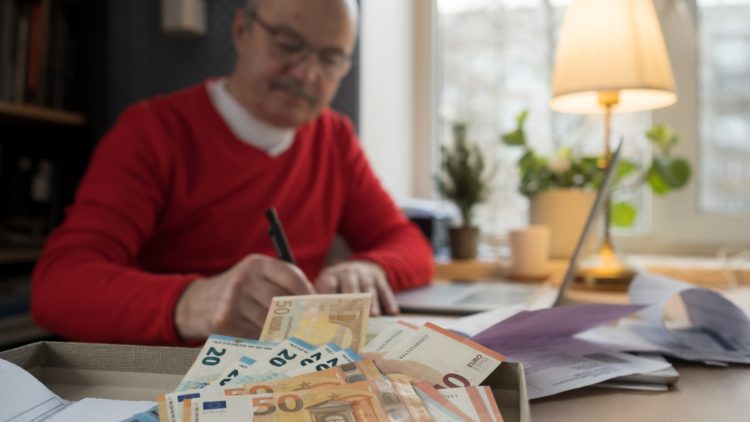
(349, 282)
(386, 296)
(289, 278)
(327, 284)
(374, 302)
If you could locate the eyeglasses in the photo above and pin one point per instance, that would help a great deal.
(290, 48)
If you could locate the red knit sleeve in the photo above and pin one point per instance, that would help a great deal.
(86, 286)
(374, 227)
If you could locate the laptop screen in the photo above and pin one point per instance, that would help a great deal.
(601, 194)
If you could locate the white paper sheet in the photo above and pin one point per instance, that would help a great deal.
(23, 397)
(101, 410)
(567, 364)
(474, 324)
(719, 331)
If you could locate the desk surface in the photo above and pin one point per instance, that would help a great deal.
(702, 394)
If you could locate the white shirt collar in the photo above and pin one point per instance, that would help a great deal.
(248, 128)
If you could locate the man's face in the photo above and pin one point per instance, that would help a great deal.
(291, 57)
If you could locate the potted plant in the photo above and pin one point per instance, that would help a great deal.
(465, 181)
(561, 189)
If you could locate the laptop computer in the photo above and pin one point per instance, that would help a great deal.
(458, 298)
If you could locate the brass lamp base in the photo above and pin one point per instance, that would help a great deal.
(605, 270)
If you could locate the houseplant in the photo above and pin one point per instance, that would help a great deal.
(464, 179)
(569, 182)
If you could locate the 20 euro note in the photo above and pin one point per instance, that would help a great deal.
(348, 373)
(319, 319)
(217, 352)
(440, 357)
(245, 369)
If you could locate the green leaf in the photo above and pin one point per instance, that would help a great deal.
(658, 185)
(521, 118)
(623, 214)
(674, 172)
(663, 137)
(624, 168)
(515, 138)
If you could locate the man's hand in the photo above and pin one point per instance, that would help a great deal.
(236, 302)
(359, 276)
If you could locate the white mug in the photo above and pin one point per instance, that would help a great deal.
(529, 249)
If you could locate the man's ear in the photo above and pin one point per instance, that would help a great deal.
(240, 25)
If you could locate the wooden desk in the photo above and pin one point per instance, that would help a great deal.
(704, 271)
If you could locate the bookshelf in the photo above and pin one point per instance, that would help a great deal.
(52, 99)
(40, 114)
(19, 255)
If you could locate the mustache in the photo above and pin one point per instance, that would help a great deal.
(293, 87)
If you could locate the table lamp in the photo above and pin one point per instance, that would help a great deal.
(610, 58)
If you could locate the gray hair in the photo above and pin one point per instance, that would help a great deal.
(251, 6)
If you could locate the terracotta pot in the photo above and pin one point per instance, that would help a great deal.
(565, 211)
(464, 241)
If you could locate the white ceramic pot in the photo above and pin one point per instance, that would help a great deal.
(565, 211)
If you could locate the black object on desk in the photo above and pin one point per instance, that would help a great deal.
(278, 238)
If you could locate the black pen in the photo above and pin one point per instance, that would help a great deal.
(278, 238)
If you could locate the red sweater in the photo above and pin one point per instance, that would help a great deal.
(172, 195)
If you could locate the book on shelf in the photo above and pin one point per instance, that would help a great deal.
(7, 36)
(36, 52)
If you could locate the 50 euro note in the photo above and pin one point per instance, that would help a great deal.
(374, 400)
(440, 408)
(172, 405)
(217, 352)
(226, 409)
(476, 401)
(440, 357)
(319, 319)
(179, 406)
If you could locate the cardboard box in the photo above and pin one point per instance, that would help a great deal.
(78, 370)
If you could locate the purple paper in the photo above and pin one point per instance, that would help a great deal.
(552, 323)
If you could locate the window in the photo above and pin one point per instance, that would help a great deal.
(495, 59)
(724, 36)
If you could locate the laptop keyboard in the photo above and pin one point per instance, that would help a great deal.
(495, 298)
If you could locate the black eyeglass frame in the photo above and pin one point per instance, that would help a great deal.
(330, 59)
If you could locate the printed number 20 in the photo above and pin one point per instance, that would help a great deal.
(213, 360)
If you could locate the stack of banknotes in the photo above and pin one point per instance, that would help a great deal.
(318, 359)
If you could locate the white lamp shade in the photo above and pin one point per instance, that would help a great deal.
(611, 46)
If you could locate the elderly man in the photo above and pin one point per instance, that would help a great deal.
(166, 242)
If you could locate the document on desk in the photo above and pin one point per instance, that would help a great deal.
(717, 331)
(24, 398)
(554, 361)
(101, 410)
